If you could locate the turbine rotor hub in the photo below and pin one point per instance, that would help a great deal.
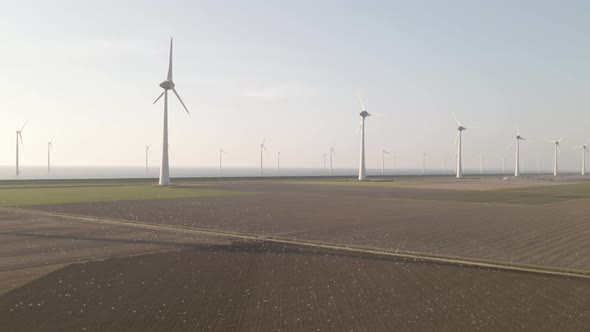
(167, 85)
(364, 114)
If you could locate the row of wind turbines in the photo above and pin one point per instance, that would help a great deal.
(164, 179)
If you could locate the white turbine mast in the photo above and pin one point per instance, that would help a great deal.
(221, 152)
(262, 148)
(49, 150)
(167, 85)
(383, 153)
(278, 161)
(361, 130)
(584, 149)
(517, 140)
(423, 168)
(19, 136)
(458, 141)
(147, 154)
(332, 153)
(555, 154)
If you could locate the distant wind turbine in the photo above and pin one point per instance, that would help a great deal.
(584, 149)
(424, 154)
(460, 130)
(278, 162)
(517, 140)
(363, 114)
(556, 154)
(221, 152)
(262, 147)
(49, 150)
(383, 153)
(19, 135)
(332, 153)
(481, 163)
(147, 153)
(167, 85)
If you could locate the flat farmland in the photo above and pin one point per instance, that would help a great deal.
(256, 286)
(538, 225)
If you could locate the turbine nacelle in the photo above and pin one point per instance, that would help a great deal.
(365, 114)
(461, 128)
(167, 85)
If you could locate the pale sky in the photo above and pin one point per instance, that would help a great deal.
(87, 72)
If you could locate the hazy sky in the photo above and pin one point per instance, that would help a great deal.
(87, 73)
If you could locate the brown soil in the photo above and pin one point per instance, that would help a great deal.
(256, 286)
(507, 226)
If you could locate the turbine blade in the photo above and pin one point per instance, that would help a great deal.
(454, 117)
(517, 130)
(550, 141)
(169, 77)
(362, 104)
(358, 131)
(587, 141)
(160, 96)
(264, 147)
(376, 114)
(510, 145)
(561, 138)
(23, 127)
(21, 138)
(178, 96)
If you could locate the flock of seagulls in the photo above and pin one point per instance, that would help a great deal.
(164, 180)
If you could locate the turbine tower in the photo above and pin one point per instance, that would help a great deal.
(147, 153)
(481, 163)
(278, 162)
(363, 114)
(383, 153)
(167, 85)
(423, 169)
(517, 140)
(584, 149)
(460, 130)
(221, 152)
(49, 150)
(332, 153)
(556, 154)
(19, 135)
(262, 147)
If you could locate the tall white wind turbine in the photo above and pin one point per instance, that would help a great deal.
(517, 140)
(332, 153)
(584, 149)
(460, 130)
(383, 153)
(363, 114)
(19, 136)
(49, 150)
(262, 148)
(556, 154)
(167, 85)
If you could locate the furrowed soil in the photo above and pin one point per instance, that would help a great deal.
(251, 286)
(539, 226)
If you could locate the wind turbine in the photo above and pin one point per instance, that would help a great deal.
(584, 149)
(168, 84)
(332, 153)
(363, 114)
(49, 149)
(556, 153)
(517, 140)
(262, 147)
(147, 153)
(460, 130)
(278, 162)
(481, 163)
(221, 152)
(383, 153)
(19, 135)
(424, 154)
